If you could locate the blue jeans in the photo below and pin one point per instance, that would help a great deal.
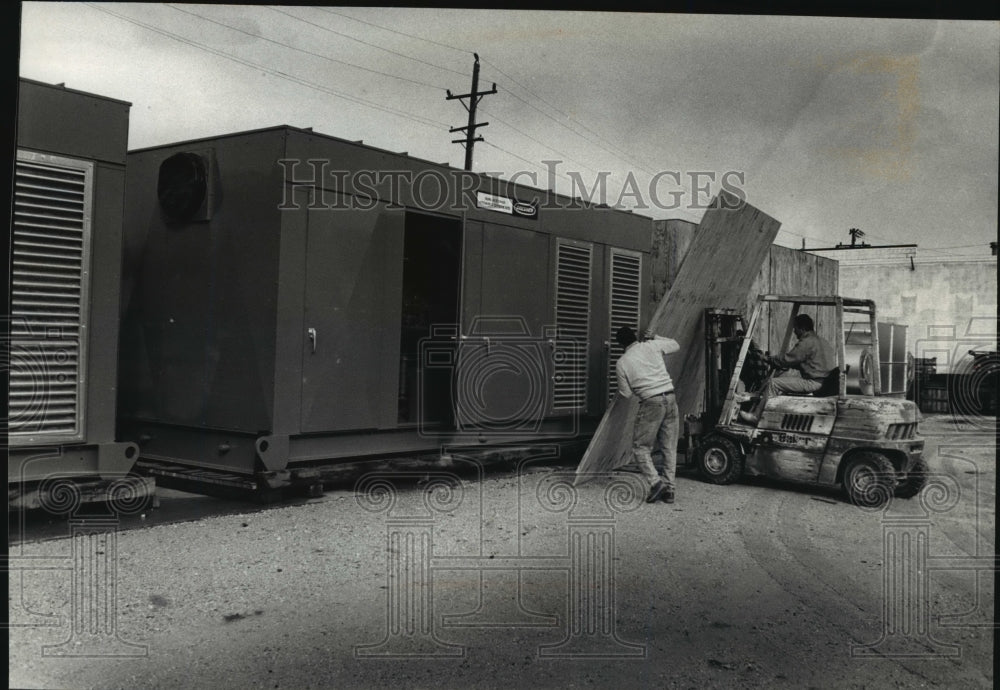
(657, 425)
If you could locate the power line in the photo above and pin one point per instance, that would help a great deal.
(277, 73)
(530, 105)
(564, 114)
(434, 86)
(401, 33)
(524, 134)
(621, 154)
(800, 235)
(301, 50)
(352, 38)
(531, 163)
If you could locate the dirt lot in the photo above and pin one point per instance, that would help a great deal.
(515, 579)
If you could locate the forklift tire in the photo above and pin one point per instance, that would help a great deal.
(914, 482)
(720, 461)
(869, 480)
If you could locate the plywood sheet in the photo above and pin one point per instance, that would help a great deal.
(761, 286)
(724, 259)
(827, 276)
(671, 241)
(786, 271)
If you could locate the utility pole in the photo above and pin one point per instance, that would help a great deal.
(470, 129)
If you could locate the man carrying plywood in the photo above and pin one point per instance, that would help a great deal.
(718, 271)
(642, 372)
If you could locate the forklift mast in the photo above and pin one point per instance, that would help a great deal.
(724, 332)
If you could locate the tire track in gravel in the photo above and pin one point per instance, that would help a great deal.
(781, 558)
(851, 587)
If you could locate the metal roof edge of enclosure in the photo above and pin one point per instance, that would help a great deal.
(300, 130)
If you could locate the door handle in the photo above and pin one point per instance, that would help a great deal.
(312, 338)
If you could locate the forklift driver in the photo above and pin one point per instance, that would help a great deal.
(812, 358)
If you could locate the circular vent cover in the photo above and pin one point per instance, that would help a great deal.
(182, 185)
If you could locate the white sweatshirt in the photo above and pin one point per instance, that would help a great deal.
(642, 370)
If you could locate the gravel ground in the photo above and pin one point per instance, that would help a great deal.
(756, 585)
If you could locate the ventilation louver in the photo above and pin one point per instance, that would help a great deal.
(624, 301)
(49, 281)
(573, 277)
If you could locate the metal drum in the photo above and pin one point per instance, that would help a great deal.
(860, 369)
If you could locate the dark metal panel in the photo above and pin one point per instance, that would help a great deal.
(313, 448)
(346, 280)
(105, 287)
(38, 464)
(505, 350)
(55, 120)
(516, 276)
(472, 273)
(602, 225)
(392, 226)
(290, 331)
(219, 450)
(198, 333)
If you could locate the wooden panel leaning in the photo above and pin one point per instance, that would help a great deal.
(725, 257)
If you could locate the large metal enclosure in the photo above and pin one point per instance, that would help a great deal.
(66, 252)
(294, 298)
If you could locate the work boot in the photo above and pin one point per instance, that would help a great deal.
(748, 418)
(668, 495)
(656, 492)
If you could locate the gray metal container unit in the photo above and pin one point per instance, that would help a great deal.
(294, 298)
(66, 252)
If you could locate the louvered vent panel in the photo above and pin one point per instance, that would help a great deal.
(625, 272)
(573, 276)
(902, 431)
(797, 422)
(50, 250)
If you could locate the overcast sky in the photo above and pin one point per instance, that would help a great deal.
(826, 124)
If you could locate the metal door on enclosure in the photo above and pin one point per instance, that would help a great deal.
(353, 267)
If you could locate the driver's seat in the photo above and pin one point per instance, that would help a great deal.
(830, 385)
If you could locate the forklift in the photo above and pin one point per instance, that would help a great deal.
(866, 444)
